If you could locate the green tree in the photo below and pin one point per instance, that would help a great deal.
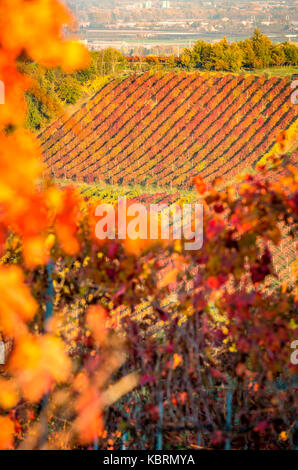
(34, 118)
(248, 52)
(234, 57)
(262, 47)
(226, 56)
(69, 90)
(201, 54)
(277, 55)
(109, 61)
(170, 61)
(87, 74)
(186, 58)
(291, 53)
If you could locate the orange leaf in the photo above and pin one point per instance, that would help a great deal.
(96, 321)
(177, 360)
(200, 184)
(9, 394)
(6, 433)
(14, 309)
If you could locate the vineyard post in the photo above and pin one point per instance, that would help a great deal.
(124, 439)
(199, 440)
(159, 429)
(48, 315)
(95, 443)
(50, 293)
(229, 417)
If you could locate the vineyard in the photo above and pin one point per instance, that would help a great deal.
(165, 128)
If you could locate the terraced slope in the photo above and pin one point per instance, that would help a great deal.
(164, 128)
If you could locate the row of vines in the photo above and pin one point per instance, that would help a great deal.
(165, 128)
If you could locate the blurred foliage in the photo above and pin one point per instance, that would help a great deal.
(52, 89)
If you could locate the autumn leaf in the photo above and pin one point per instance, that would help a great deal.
(96, 320)
(177, 360)
(9, 394)
(15, 310)
(200, 185)
(38, 363)
(6, 433)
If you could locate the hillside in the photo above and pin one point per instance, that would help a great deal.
(164, 128)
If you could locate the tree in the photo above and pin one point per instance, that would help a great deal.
(171, 61)
(69, 90)
(88, 73)
(291, 53)
(226, 56)
(186, 58)
(108, 61)
(34, 117)
(200, 54)
(249, 57)
(277, 55)
(262, 47)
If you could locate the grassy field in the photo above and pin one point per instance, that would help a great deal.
(283, 71)
(276, 71)
(110, 193)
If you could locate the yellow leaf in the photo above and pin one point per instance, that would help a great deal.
(283, 436)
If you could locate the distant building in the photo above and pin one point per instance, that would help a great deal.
(137, 6)
(83, 41)
(165, 4)
(290, 36)
(148, 5)
(84, 24)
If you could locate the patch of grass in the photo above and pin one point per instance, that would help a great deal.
(100, 190)
(283, 71)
